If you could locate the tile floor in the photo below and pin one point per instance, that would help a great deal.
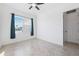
(36, 47)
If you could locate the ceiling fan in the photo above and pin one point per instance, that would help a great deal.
(35, 5)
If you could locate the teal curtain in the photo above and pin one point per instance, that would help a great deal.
(32, 27)
(12, 33)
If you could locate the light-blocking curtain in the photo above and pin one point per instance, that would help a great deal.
(12, 33)
(32, 27)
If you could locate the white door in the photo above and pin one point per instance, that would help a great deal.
(72, 27)
(65, 34)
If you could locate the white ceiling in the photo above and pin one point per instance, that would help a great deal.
(24, 7)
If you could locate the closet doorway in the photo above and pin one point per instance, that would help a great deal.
(71, 26)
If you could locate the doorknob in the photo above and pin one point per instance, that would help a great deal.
(65, 30)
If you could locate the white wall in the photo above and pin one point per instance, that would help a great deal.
(0, 25)
(50, 22)
(6, 23)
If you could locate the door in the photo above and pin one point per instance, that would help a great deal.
(71, 27)
(65, 34)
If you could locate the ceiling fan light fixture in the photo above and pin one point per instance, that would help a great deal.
(33, 5)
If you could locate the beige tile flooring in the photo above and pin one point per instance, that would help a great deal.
(36, 47)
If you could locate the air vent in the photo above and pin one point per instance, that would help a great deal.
(71, 11)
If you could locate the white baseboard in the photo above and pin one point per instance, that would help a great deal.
(15, 41)
(51, 42)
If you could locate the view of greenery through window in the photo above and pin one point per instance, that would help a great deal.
(19, 23)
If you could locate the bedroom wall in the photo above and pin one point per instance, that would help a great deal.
(49, 25)
(6, 22)
(50, 21)
(0, 25)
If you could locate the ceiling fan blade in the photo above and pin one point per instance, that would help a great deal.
(30, 7)
(37, 8)
(39, 3)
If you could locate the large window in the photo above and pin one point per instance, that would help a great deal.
(19, 23)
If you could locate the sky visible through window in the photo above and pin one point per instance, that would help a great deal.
(19, 22)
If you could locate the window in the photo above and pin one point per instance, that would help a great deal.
(19, 23)
(24, 25)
